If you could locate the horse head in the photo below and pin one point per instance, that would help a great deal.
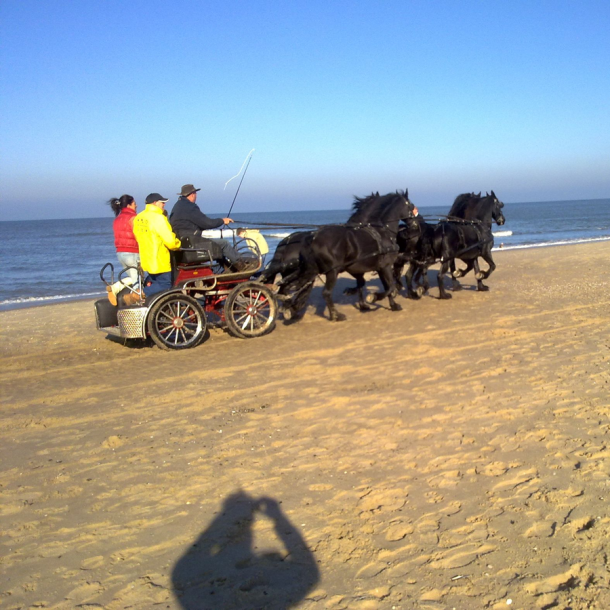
(496, 211)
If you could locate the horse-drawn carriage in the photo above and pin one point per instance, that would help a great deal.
(177, 318)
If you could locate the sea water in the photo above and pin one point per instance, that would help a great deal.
(45, 261)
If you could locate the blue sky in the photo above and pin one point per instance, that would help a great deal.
(105, 97)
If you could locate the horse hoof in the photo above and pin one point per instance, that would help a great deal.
(370, 298)
(457, 273)
(287, 313)
(483, 288)
(479, 276)
(445, 296)
(339, 318)
(420, 292)
(364, 307)
(396, 307)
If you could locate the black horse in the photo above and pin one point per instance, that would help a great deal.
(415, 240)
(421, 243)
(466, 235)
(367, 242)
(287, 260)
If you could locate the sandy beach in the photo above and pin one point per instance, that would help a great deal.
(452, 455)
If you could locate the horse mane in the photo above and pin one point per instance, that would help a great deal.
(376, 207)
(463, 203)
(361, 204)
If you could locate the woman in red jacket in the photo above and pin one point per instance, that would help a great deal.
(125, 210)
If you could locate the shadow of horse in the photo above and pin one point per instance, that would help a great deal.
(344, 297)
(226, 568)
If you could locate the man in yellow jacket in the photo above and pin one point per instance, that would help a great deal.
(155, 239)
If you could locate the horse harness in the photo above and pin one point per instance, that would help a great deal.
(476, 224)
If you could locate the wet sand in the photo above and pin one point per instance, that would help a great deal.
(452, 455)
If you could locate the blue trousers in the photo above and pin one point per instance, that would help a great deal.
(158, 282)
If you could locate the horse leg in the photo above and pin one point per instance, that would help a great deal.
(443, 294)
(327, 293)
(398, 267)
(455, 273)
(425, 280)
(300, 300)
(293, 297)
(461, 272)
(385, 275)
(421, 276)
(479, 276)
(486, 255)
(483, 275)
(413, 269)
(360, 284)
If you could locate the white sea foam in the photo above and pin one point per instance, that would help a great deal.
(501, 233)
(279, 235)
(545, 244)
(58, 297)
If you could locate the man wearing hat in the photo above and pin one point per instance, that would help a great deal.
(155, 239)
(188, 221)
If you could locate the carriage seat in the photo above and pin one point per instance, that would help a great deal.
(207, 257)
(189, 256)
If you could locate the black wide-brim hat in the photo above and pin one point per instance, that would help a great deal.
(187, 189)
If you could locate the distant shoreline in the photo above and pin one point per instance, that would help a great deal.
(324, 210)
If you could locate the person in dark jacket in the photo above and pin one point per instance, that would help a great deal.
(188, 220)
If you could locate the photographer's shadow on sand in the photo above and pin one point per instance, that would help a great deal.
(249, 557)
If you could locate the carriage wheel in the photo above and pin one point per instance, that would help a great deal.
(250, 310)
(177, 321)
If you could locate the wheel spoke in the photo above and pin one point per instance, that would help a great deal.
(263, 319)
(241, 310)
(258, 296)
(238, 319)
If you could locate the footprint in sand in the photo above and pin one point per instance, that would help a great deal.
(460, 556)
(386, 500)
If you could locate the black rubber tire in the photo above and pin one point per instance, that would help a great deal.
(250, 310)
(177, 321)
